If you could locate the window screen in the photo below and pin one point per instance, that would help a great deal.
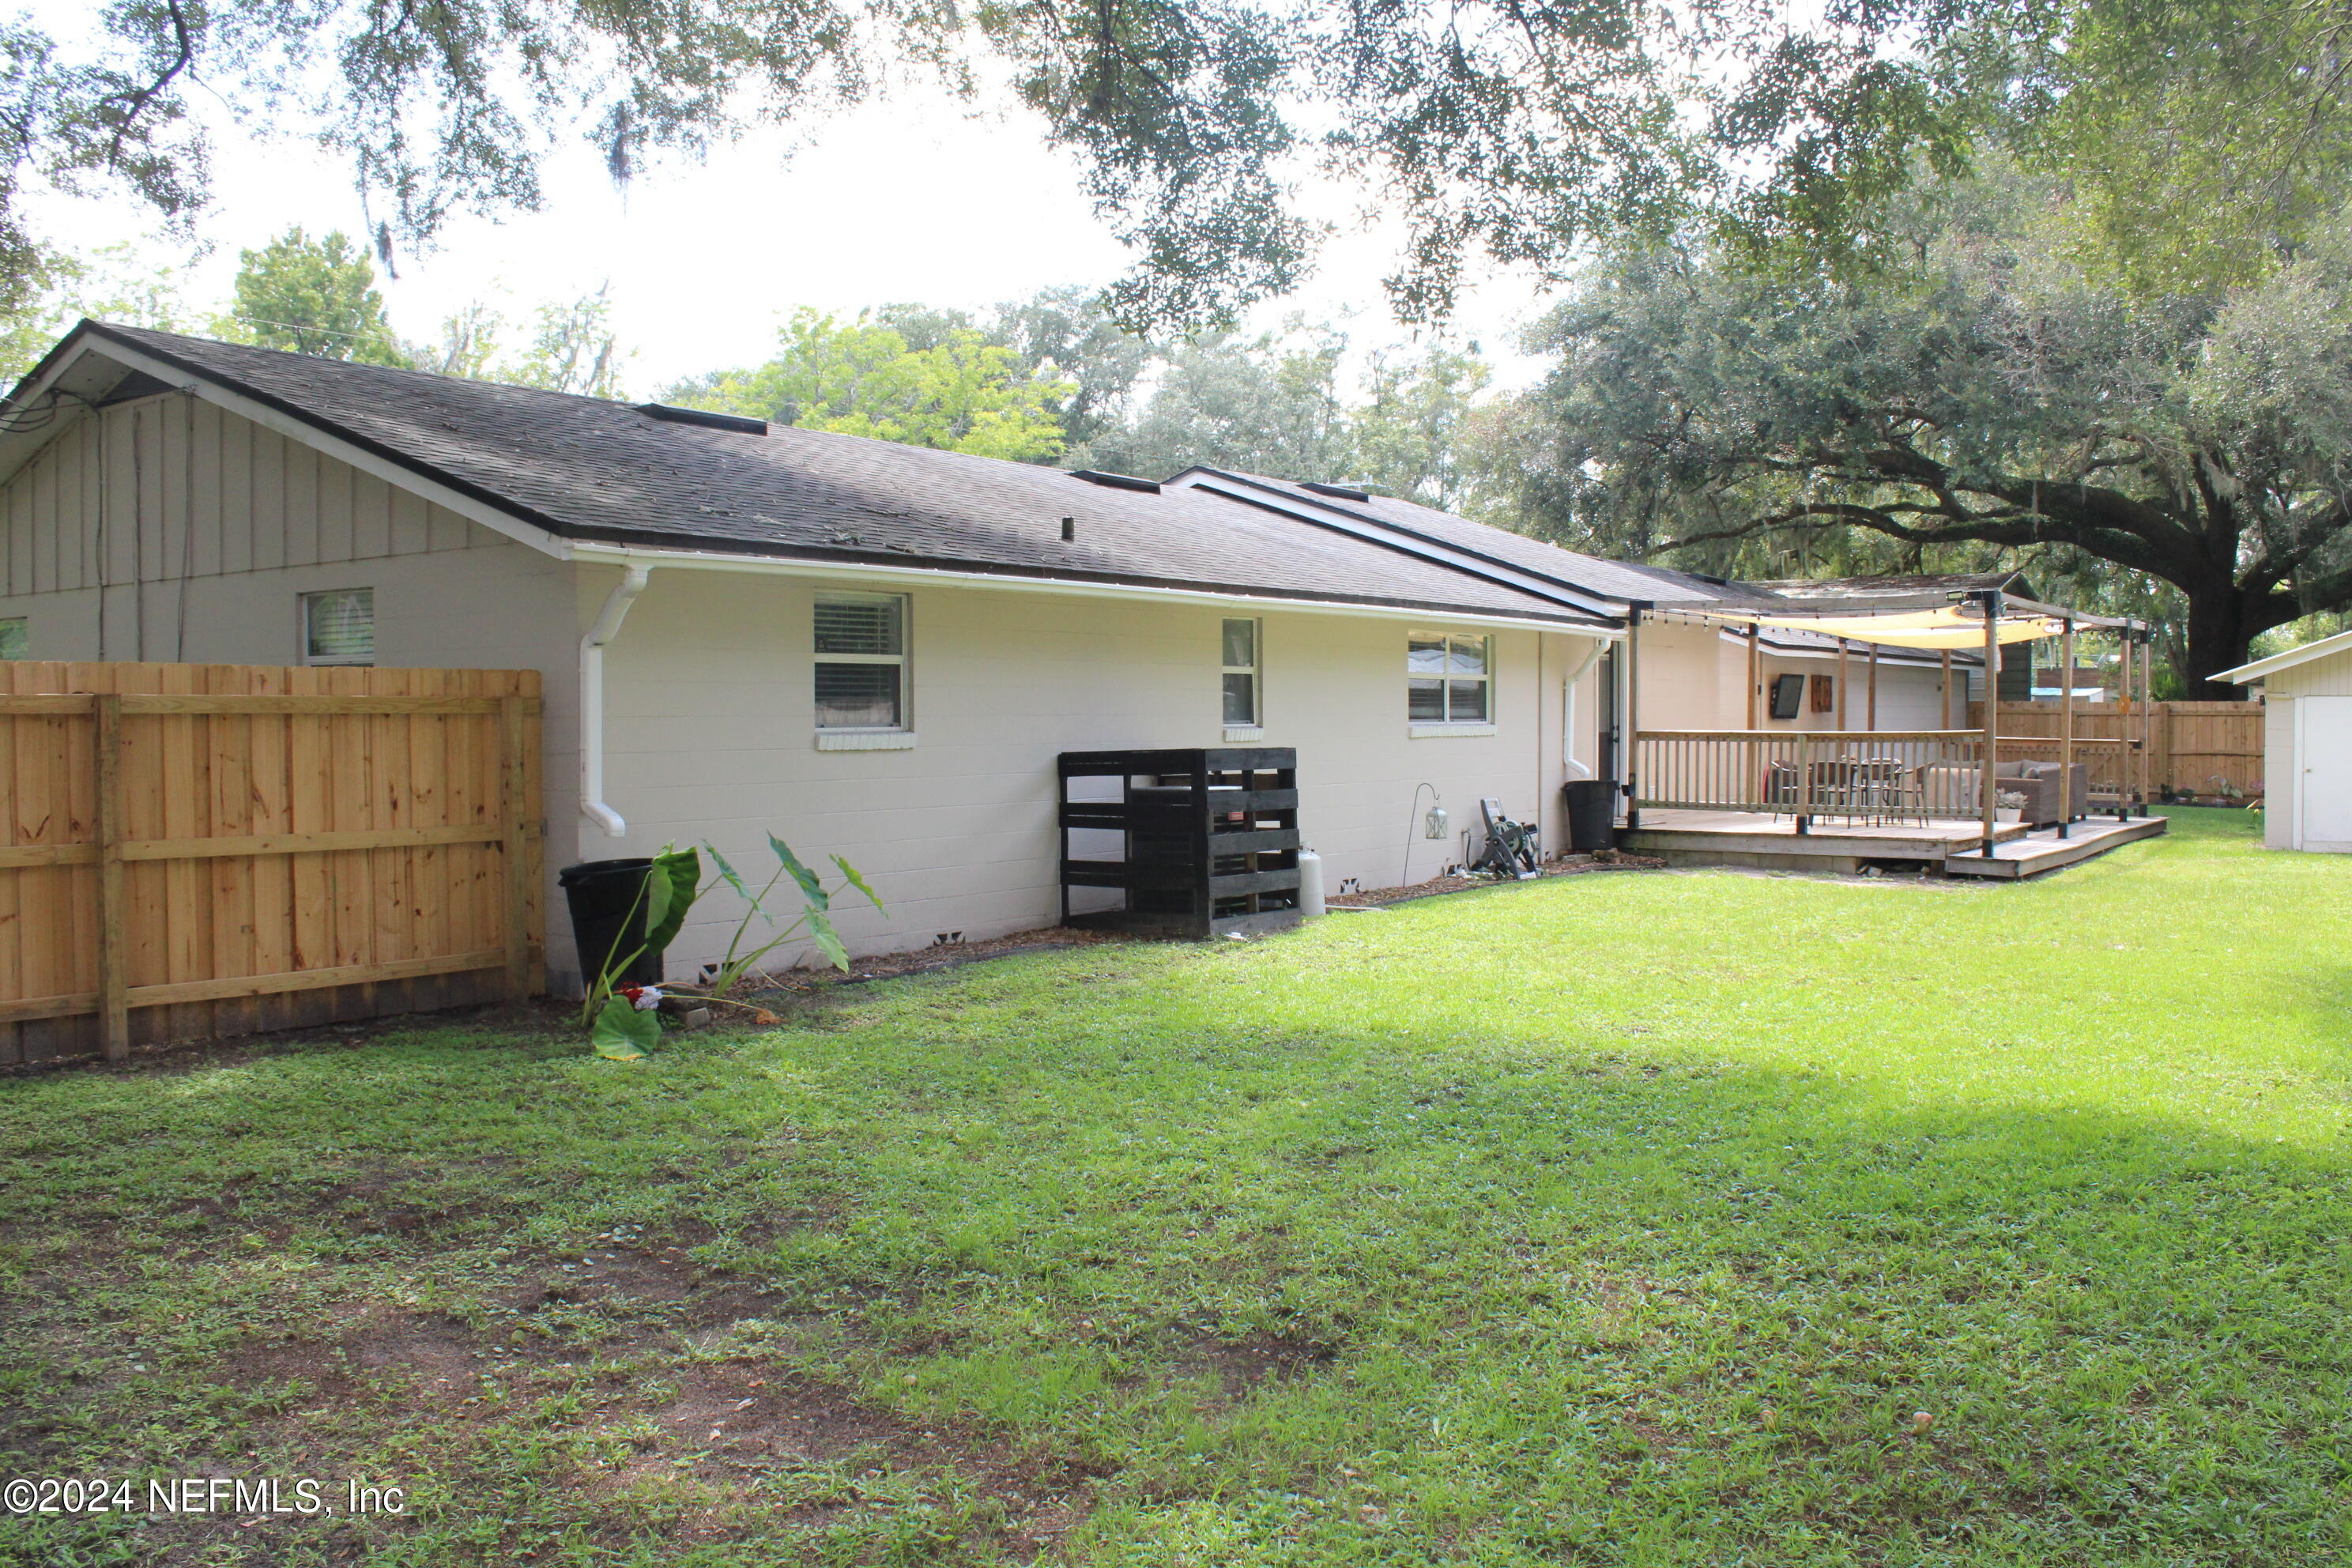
(15, 641)
(339, 627)
(861, 662)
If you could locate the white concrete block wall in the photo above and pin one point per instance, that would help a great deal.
(711, 735)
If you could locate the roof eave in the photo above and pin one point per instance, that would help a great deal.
(854, 563)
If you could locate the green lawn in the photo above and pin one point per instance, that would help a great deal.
(1701, 1218)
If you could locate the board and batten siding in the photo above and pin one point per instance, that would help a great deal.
(711, 735)
(166, 529)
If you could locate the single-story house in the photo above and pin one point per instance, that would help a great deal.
(871, 650)
(2306, 696)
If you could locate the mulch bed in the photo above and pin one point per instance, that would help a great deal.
(1566, 866)
(939, 955)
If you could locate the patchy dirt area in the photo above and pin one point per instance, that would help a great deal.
(1239, 1368)
(732, 1422)
(1564, 865)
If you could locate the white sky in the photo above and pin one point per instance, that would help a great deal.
(911, 198)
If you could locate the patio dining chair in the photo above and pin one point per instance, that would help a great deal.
(1885, 793)
(1833, 791)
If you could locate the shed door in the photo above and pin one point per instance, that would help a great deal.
(2324, 749)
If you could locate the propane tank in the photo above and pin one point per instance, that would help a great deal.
(1310, 883)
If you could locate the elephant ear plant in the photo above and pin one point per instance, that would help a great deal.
(624, 1020)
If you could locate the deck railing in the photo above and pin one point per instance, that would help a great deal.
(1804, 772)
(1854, 773)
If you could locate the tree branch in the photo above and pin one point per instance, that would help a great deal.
(137, 101)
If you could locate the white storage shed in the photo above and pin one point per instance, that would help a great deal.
(2307, 743)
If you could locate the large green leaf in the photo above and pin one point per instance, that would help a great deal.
(811, 889)
(727, 872)
(857, 881)
(671, 886)
(827, 940)
(623, 1034)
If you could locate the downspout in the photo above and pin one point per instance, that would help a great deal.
(591, 699)
(1629, 721)
(1568, 711)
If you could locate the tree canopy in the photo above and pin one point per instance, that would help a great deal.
(1994, 398)
(957, 392)
(312, 297)
(1515, 129)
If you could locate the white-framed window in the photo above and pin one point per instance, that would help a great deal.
(861, 660)
(15, 638)
(1241, 672)
(1449, 679)
(339, 627)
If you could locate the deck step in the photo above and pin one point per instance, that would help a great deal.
(2032, 857)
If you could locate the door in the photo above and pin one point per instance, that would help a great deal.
(2324, 751)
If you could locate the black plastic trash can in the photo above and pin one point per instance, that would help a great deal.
(608, 918)
(1592, 815)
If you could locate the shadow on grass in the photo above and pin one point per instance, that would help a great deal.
(1542, 1299)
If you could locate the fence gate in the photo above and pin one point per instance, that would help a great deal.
(190, 850)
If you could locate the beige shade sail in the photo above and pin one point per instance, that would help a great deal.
(1936, 628)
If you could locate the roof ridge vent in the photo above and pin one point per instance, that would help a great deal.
(1116, 481)
(1345, 492)
(705, 417)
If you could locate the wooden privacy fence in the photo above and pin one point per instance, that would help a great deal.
(199, 850)
(2193, 748)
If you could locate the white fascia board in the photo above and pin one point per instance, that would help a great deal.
(786, 567)
(318, 439)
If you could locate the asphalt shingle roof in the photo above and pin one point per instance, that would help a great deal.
(1615, 580)
(585, 469)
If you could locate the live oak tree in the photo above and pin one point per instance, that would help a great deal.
(1515, 129)
(1994, 397)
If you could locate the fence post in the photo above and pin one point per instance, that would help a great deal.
(513, 817)
(113, 954)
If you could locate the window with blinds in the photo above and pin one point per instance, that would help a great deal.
(339, 627)
(861, 662)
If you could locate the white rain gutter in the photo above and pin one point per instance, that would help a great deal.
(783, 566)
(592, 698)
(1568, 711)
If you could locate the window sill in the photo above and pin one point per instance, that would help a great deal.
(1440, 732)
(1245, 734)
(865, 739)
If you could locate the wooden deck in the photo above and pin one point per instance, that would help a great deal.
(1761, 840)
